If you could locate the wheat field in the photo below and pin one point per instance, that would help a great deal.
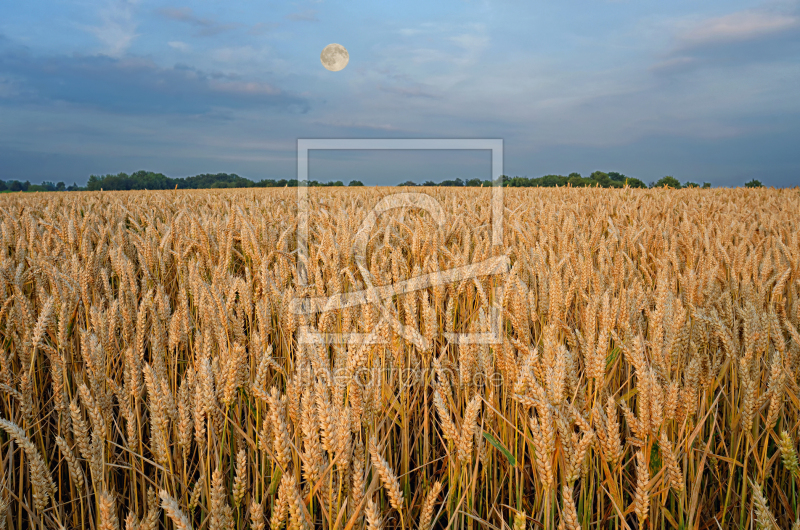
(646, 373)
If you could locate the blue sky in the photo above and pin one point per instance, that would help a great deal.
(705, 91)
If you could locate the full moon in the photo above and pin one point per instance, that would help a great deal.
(334, 57)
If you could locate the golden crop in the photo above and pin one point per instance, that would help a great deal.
(151, 374)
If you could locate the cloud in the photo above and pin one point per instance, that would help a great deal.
(117, 29)
(8, 88)
(731, 40)
(134, 85)
(736, 27)
(309, 15)
(262, 27)
(674, 64)
(449, 44)
(206, 27)
(231, 55)
(244, 88)
(178, 45)
(350, 124)
(471, 42)
(407, 91)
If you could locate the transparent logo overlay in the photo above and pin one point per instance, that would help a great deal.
(381, 295)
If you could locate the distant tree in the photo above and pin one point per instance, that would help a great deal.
(356, 183)
(516, 182)
(549, 181)
(669, 181)
(753, 184)
(706, 185)
(16, 185)
(616, 177)
(635, 183)
(474, 182)
(429, 183)
(94, 182)
(576, 181)
(456, 182)
(408, 183)
(601, 178)
(3, 186)
(206, 180)
(691, 185)
(61, 186)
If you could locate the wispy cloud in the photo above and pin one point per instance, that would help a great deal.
(242, 88)
(409, 32)
(436, 59)
(350, 124)
(733, 39)
(232, 55)
(179, 45)
(207, 27)
(472, 42)
(117, 27)
(412, 91)
(308, 15)
(736, 27)
(261, 28)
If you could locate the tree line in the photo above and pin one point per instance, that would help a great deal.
(601, 179)
(149, 180)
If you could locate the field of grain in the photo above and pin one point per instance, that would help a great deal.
(152, 376)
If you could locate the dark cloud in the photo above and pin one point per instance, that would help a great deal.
(206, 27)
(134, 85)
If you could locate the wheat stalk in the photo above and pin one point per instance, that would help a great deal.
(173, 511)
(43, 485)
(388, 477)
(426, 515)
